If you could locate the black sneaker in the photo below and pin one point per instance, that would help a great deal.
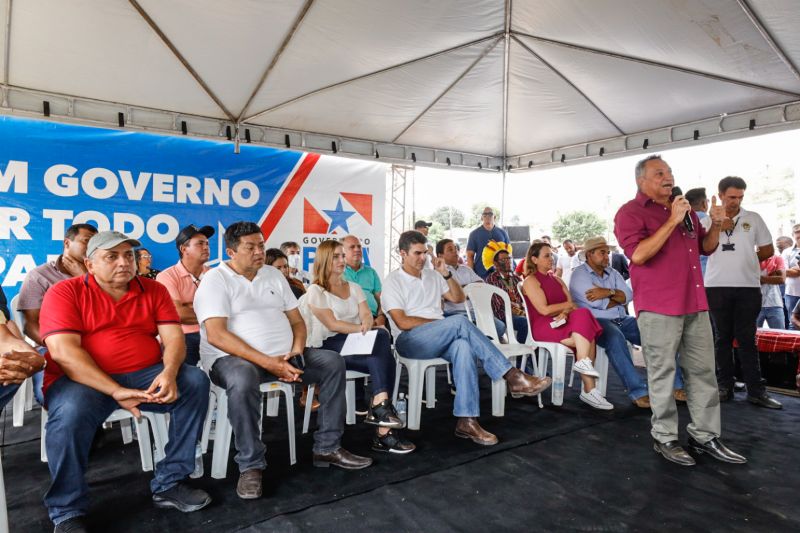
(384, 415)
(76, 524)
(183, 498)
(392, 443)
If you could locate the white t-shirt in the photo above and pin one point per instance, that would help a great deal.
(738, 267)
(565, 262)
(791, 257)
(344, 309)
(420, 297)
(464, 276)
(256, 310)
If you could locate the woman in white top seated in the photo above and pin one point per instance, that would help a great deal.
(338, 308)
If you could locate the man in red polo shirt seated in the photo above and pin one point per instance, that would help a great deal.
(100, 330)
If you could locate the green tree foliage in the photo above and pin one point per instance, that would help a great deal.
(445, 214)
(578, 226)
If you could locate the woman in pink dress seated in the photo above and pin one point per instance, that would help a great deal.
(548, 302)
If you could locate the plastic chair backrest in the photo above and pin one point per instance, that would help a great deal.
(480, 294)
(16, 315)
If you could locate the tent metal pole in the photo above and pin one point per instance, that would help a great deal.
(506, 56)
(768, 37)
(181, 58)
(658, 64)
(447, 90)
(281, 49)
(7, 53)
(569, 82)
(374, 73)
(503, 200)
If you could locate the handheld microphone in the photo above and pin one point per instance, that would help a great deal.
(687, 218)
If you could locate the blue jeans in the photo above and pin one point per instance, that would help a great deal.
(616, 335)
(520, 328)
(380, 364)
(192, 348)
(499, 325)
(457, 340)
(791, 302)
(774, 317)
(76, 411)
(7, 393)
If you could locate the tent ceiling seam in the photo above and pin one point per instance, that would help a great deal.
(289, 36)
(765, 33)
(374, 73)
(7, 51)
(658, 64)
(447, 89)
(181, 58)
(571, 84)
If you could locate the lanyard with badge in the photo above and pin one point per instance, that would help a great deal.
(731, 246)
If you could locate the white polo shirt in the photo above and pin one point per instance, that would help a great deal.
(256, 310)
(420, 297)
(738, 267)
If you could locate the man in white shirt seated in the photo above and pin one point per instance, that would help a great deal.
(252, 332)
(412, 298)
(464, 275)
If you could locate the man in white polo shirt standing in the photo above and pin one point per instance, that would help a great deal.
(252, 332)
(733, 287)
(412, 297)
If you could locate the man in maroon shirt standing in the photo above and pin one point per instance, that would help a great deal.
(672, 310)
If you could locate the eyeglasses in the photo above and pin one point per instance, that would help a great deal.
(145, 257)
(487, 214)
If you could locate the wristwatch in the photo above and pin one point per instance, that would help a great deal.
(448, 276)
(612, 293)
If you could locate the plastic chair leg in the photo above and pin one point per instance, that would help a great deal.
(499, 397)
(430, 387)
(289, 394)
(28, 394)
(222, 439)
(3, 510)
(415, 381)
(601, 365)
(559, 368)
(397, 370)
(42, 448)
(307, 414)
(18, 406)
(206, 435)
(273, 403)
(350, 396)
(145, 449)
(127, 432)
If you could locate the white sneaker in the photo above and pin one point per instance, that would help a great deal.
(596, 400)
(584, 366)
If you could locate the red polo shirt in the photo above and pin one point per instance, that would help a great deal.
(670, 282)
(120, 336)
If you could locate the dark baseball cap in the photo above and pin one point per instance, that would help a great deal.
(422, 223)
(190, 231)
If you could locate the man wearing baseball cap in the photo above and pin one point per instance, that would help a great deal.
(182, 280)
(103, 354)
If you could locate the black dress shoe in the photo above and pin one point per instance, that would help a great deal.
(765, 400)
(717, 450)
(672, 451)
(76, 524)
(341, 458)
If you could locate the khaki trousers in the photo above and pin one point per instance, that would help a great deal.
(690, 335)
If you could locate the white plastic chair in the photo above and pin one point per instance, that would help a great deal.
(420, 372)
(349, 394)
(224, 432)
(155, 422)
(480, 294)
(23, 399)
(559, 353)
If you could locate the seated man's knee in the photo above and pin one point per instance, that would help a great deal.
(329, 361)
(242, 377)
(192, 380)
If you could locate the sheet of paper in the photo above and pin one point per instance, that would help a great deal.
(358, 344)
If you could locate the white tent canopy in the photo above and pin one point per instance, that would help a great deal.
(460, 82)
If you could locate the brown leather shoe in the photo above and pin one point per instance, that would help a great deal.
(679, 395)
(341, 458)
(468, 428)
(522, 384)
(643, 402)
(249, 485)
